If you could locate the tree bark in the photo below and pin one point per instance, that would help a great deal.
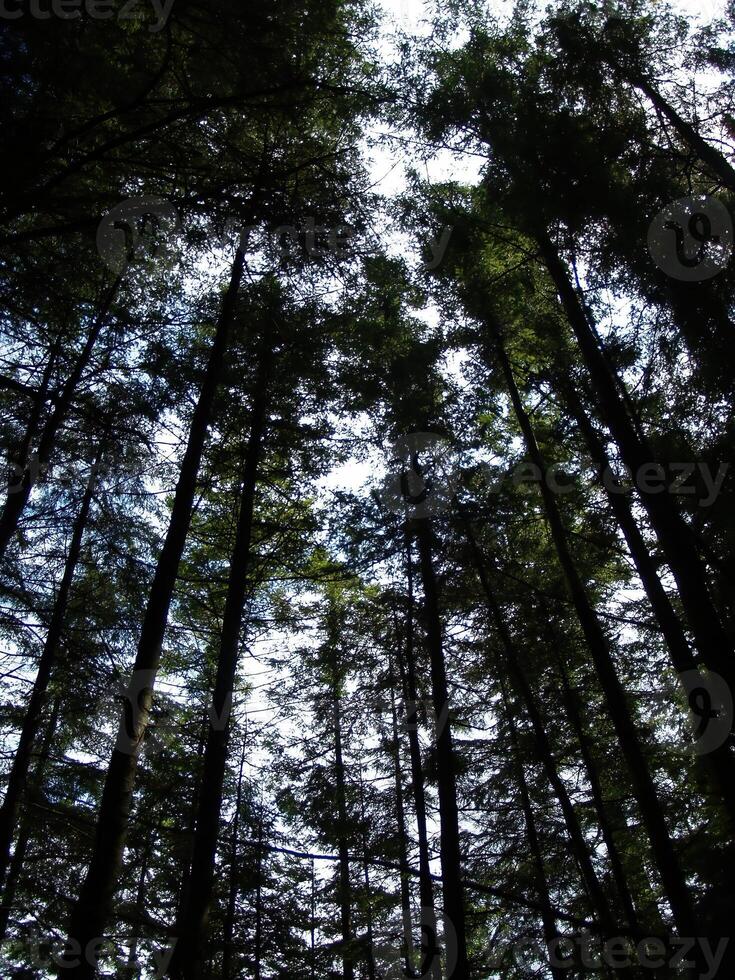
(407, 669)
(345, 892)
(229, 926)
(673, 533)
(133, 967)
(574, 714)
(312, 924)
(401, 834)
(718, 762)
(17, 497)
(34, 712)
(598, 899)
(542, 886)
(369, 952)
(16, 865)
(92, 908)
(259, 904)
(665, 856)
(188, 958)
(451, 855)
(707, 153)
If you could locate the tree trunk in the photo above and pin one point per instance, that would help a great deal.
(718, 762)
(580, 848)
(19, 457)
(409, 686)
(574, 714)
(92, 908)
(188, 959)
(17, 498)
(401, 831)
(16, 865)
(345, 897)
(665, 856)
(369, 951)
(312, 924)
(259, 903)
(451, 856)
(707, 153)
(542, 887)
(229, 926)
(133, 967)
(190, 818)
(671, 530)
(47, 661)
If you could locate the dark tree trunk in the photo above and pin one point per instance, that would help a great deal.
(451, 855)
(672, 531)
(407, 669)
(548, 920)
(665, 856)
(188, 958)
(19, 457)
(229, 926)
(345, 892)
(574, 714)
(369, 951)
(312, 924)
(513, 666)
(34, 712)
(17, 498)
(718, 762)
(259, 904)
(16, 865)
(133, 968)
(401, 833)
(707, 153)
(190, 819)
(91, 911)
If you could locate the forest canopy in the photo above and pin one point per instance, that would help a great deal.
(367, 513)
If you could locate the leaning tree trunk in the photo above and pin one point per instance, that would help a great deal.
(16, 865)
(17, 498)
(707, 153)
(34, 711)
(671, 530)
(188, 958)
(719, 762)
(92, 908)
(451, 855)
(570, 699)
(665, 856)
(19, 456)
(580, 849)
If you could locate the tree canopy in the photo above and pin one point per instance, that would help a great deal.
(367, 544)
